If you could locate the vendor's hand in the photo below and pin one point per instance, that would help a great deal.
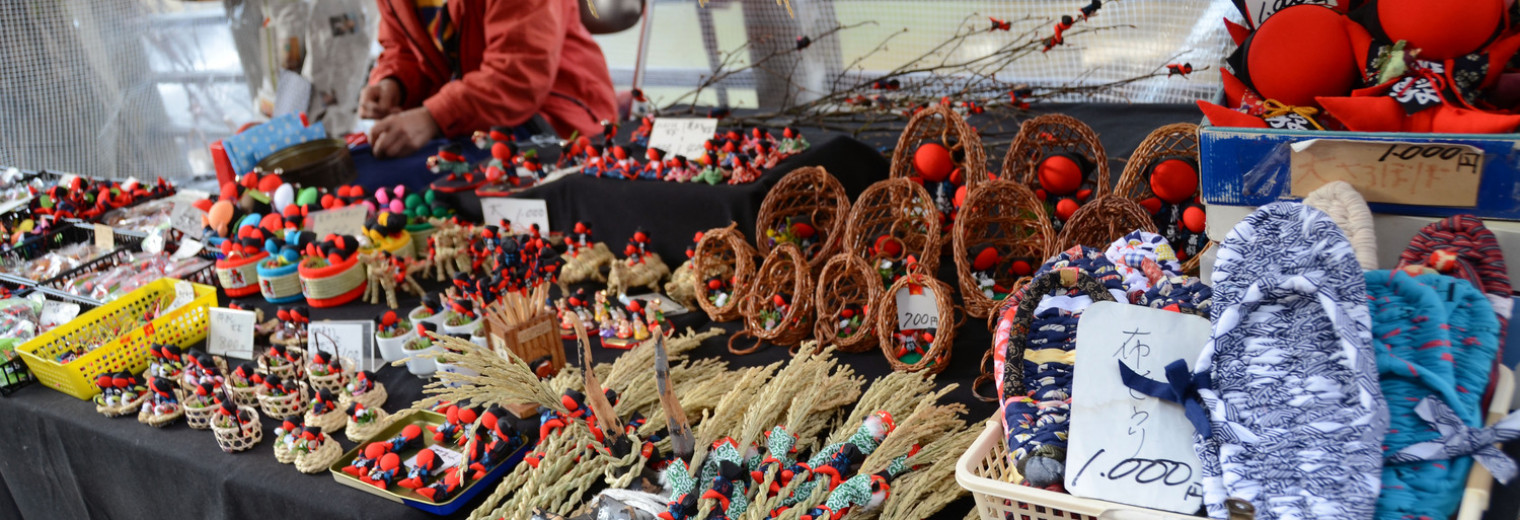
(403, 133)
(380, 100)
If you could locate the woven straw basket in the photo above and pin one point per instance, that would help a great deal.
(1170, 141)
(846, 280)
(232, 437)
(937, 355)
(1006, 216)
(901, 209)
(1102, 221)
(785, 271)
(723, 253)
(809, 193)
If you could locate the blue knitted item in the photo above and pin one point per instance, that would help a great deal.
(1414, 360)
(1296, 414)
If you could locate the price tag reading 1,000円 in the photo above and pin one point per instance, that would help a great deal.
(917, 309)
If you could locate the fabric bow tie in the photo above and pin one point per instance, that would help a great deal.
(1181, 387)
(1458, 439)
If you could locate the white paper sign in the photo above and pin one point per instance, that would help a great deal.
(351, 339)
(1125, 446)
(917, 311)
(154, 242)
(522, 213)
(347, 220)
(682, 136)
(184, 293)
(57, 313)
(105, 237)
(187, 218)
(231, 333)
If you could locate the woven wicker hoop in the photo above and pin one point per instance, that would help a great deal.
(940, 124)
(785, 271)
(900, 208)
(846, 280)
(1102, 221)
(1051, 134)
(333, 285)
(239, 277)
(723, 253)
(332, 382)
(1006, 216)
(197, 418)
(813, 194)
(1174, 140)
(937, 356)
(232, 437)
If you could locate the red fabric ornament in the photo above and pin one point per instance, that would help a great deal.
(1021, 268)
(1302, 52)
(1194, 219)
(1227, 118)
(986, 259)
(1060, 174)
(933, 162)
(1441, 29)
(501, 152)
(889, 246)
(1065, 208)
(1174, 180)
(1151, 205)
(960, 197)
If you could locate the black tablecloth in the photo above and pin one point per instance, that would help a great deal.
(59, 459)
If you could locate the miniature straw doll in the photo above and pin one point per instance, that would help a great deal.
(166, 361)
(162, 406)
(712, 171)
(120, 393)
(792, 142)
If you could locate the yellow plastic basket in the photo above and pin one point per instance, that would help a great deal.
(985, 471)
(128, 350)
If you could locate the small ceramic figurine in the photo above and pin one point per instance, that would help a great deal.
(444, 488)
(712, 171)
(166, 361)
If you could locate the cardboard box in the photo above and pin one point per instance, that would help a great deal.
(1432, 175)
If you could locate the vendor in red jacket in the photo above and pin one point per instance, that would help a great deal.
(451, 67)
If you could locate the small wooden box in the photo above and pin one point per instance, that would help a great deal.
(531, 340)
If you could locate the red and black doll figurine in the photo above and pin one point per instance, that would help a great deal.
(420, 470)
(444, 488)
(638, 247)
(385, 471)
(1058, 37)
(366, 459)
(452, 164)
(1179, 70)
(1063, 185)
(1175, 206)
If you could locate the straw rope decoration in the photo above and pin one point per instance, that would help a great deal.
(723, 255)
(1102, 221)
(1006, 218)
(339, 284)
(924, 492)
(807, 207)
(846, 282)
(778, 306)
(280, 286)
(891, 221)
(1139, 183)
(1349, 210)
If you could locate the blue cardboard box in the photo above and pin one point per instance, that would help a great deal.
(1250, 167)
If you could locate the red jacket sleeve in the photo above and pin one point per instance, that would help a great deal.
(397, 60)
(517, 69)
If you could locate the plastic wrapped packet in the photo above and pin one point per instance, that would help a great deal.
(55, 262)
(19, 318)
(144, 217)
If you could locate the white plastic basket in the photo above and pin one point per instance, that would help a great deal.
(984, 470)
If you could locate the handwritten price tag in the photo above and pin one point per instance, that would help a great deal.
(522, 213)
(1125, 446)
(347, 220)
(187, 218)
(231, 333)
(682, 136)
(350, 339)
(105, 237)
(917, 311)
(1422, 174)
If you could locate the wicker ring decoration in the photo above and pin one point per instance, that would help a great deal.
(807, 207)
(723, 256)
(894, 214)
(1162, 175)
(1057, 134)
(901, 345)
(941, 152)
(847, 282)
(778, 306)
(1103, 221)
(1001, 236)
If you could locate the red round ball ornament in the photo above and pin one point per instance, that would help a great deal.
(1174, 180)
(933, 162)
(1065, 208)
(1060, 174)
(960, 197)
(1194, 219)
(1303, 52)
(1021, 268)
(1441, 29)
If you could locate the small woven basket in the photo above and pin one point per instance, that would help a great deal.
(329, 422)
(360, 432)
(286, 369)
(123, 408)
(317, 461)
(293, 404)
(899, 208)
(244, 395)
(1170, 141)
(159, 421)
(1006, 216)
(333, 285)
(233, 437)
(197, 418)
(846, 280)
(810, 194)
(279, 284)
(785, 271)
(1050, 134)
(375, 398)
(283, 453)
(940, 124)
(239, 277)
(937, 355)
(723, 253)
(1102, 221)
(331, 382)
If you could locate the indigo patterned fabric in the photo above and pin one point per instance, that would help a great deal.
(1295, 409)
(1142, 258)
(1040, 353)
